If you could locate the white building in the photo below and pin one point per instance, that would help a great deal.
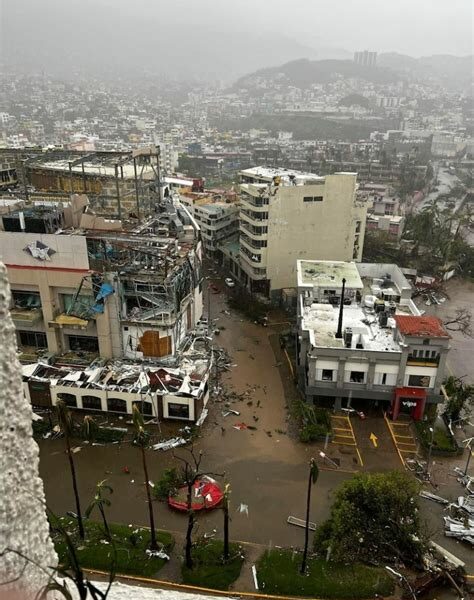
(375, 348)
(288, 215)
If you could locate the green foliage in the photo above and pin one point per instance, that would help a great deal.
(460, 394)
(375, 520)
(315, 422)
(141, 436)
(380, 246)
(278, 573)
(95, 552)
(168, 485)
(210, 569)
(443, 442)
(86, 431)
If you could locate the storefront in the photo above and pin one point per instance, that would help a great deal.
(410, 401)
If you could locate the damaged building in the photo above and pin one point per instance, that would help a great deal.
(362, 340)
(84, 286)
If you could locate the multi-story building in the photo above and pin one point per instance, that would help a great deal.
(288, 215)
(103, 308)
(361, 339)
(217, 221)
(365, 58)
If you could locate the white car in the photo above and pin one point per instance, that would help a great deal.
(229, 282)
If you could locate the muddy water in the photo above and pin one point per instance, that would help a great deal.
(266, 468)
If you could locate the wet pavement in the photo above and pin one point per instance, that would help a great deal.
(266, 466)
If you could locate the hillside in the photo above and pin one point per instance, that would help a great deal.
(304, 72)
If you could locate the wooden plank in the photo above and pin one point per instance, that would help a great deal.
(301, 523)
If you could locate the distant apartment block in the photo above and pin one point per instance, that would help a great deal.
(289, 215)
(362, 341)
(365, 58)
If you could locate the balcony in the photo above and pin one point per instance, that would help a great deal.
(422, 361)
(253, 232)
(26, 317)
(255, 204)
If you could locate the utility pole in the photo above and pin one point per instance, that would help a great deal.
(428, 462)
(136, 186)
(117, 188)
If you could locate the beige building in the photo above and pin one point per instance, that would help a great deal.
(84, 286)
(287, 216)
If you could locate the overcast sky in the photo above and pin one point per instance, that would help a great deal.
(416, 27)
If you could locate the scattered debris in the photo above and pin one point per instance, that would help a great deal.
(301, 523)
(170, 444)
(434, 497)
(157, 554)
(230, 411)
(243, 508)
(255, 580)
(240, 426)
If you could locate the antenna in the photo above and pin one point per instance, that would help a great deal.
(341, 309)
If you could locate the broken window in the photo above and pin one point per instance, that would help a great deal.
(419, 380)
(327, 375)
(26, 299)
(68, 399)
(91, 402)
(383, 379)
(357, 377)
(83, 343)
(116, 405)
(178, 411)
(35, 339)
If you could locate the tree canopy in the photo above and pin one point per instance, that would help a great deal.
(374, 519)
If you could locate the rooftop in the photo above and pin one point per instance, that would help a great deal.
(321, 321)
(423, 326)
(325, 273)
(287, 176)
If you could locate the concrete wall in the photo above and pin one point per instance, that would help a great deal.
(311, 230)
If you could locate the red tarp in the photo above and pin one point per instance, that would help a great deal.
(206, 495)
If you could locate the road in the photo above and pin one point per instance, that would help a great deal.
(266, 467)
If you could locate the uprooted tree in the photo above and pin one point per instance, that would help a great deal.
(461, 321)
(374, 519)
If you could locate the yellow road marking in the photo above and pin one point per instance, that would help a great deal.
(394, 441)
(361, 462)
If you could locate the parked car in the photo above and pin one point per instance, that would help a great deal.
(229, 282)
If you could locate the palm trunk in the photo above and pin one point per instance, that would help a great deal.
(189, 531)
(306, 529)
(74, 487)
(226, 530)
(106, 525)
(153, 543)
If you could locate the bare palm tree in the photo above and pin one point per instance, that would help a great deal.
(100, 502)
(313, 477)
(66, 427)
(225, 508)
(141, 439)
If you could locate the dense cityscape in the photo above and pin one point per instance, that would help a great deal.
(236, 321)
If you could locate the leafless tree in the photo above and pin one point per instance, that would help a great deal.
(191, 474)
(461, 321)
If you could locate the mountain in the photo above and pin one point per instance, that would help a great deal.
(455, 72)
(304, 72)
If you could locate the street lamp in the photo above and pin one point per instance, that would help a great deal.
(325, 457)
(403, 579)
(429, 452)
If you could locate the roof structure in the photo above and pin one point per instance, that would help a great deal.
(328, 274)
(424, 326)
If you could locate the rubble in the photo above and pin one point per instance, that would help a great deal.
(170, 444)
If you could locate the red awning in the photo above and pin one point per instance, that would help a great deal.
(412, 392)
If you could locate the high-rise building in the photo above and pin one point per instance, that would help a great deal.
(365, 58)
(288, 215)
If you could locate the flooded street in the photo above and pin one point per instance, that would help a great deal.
(266, 467)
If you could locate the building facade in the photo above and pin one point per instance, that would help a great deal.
(374, 350)
(287, 215)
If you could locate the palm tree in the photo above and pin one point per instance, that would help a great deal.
(100, 503)
(225, 507)
(313, 477)
(141, 439)
(66, 427)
